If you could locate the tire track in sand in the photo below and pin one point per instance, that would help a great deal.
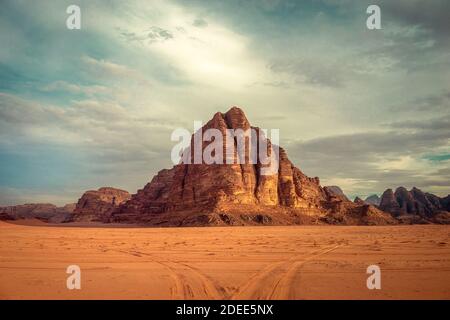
(210, 287)
(276, 280)
(189, 282)
(285, 285)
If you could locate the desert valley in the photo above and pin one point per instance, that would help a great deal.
(272, 262)
(282, 236)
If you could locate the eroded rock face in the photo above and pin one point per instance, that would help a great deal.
(413, 202)
(358, 200)
(359, 214)
(337, 191)
(43, 211)
(96, 205)
(234, 194)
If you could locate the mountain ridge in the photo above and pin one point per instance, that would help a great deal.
(238, 194)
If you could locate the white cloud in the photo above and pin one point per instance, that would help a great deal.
(213, 55)
(75, 88)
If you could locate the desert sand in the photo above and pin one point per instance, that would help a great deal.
(292, 262)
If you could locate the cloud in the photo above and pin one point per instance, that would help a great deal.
(88, 90)
(103, 128)
(156, 33)
(432, 15)
(200, 23)
(215, 56)
(107, 68)
(150, 35)
(436, 102)
(97, 122)
(310, 72)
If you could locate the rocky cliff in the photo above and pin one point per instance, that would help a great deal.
(238, 194)
(43, 211)
(336, 191)
(96, 205)
(421, 206)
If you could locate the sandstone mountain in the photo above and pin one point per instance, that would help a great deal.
(373, 200)
(43, 211)
(422, 206)
(238, 194)
(96, 205)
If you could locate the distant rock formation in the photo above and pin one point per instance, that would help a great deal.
(374, 199)
(413, 203)
(96, 205)
(358, 214)
(238, 194)
(358, 200)
(337, 191)
(4, 215)
(43, 211)
(445, 202)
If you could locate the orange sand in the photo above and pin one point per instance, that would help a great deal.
(294, 262)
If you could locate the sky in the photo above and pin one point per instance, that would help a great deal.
(362, 109)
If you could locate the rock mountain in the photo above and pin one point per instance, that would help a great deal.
(96, 205)
(238, 194)
(46, 212)
(405, 204)
(373, 200)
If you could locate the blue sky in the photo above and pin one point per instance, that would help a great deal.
(363, 109)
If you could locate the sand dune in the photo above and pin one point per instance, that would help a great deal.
(295, 262)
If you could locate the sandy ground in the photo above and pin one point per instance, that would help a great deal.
(305, 262)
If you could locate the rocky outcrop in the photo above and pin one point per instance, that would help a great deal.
(96, 205)
(358, 200)
(415, 202)
(4, 215)
(43, 211)
(445, 202)
(238, 193)
(337, 191)
(374, 200)
(389, 202)
(64, 214)
(359, 214)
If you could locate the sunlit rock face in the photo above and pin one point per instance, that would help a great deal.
(237, 193)
(96, 205)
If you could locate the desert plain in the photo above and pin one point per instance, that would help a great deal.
(270, 262)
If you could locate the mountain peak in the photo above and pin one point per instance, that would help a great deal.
(239, 193)
(236, 119)
(401, 190)
(235, 109)
(373, 199)
(414, 202)
(416, 190)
